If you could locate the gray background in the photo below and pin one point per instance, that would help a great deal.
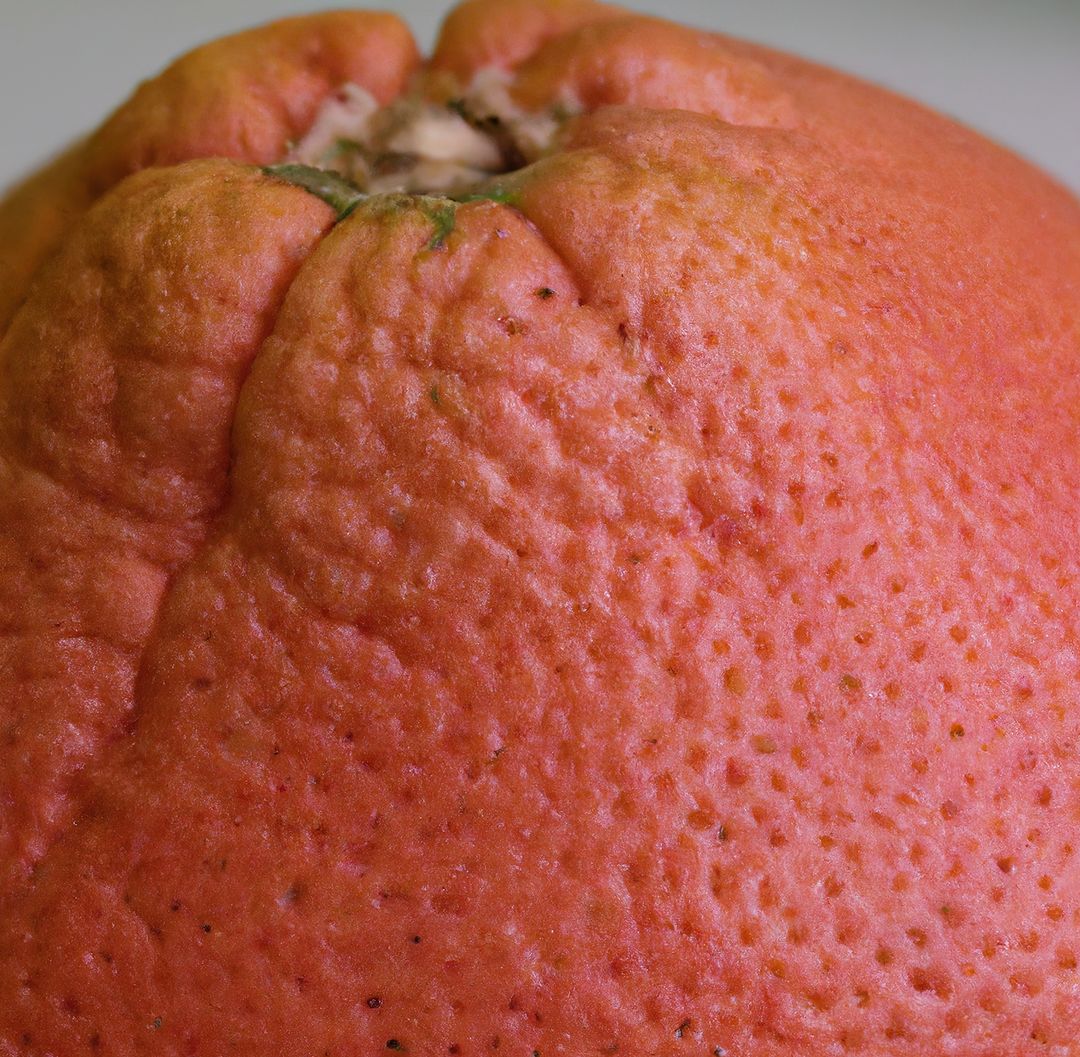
(1008, 67)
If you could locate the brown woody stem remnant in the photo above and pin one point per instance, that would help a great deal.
(416, 146)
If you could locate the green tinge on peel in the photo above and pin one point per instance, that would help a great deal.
(343, 196)
(443, 217)
(340, 194)
(503, 195)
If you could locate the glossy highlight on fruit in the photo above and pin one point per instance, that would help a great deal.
(567, 547)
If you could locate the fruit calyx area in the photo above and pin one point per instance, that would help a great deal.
(356, 148)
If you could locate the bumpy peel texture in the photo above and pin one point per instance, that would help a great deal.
(637, 617)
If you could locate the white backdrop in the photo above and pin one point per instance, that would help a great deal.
(1008, 67)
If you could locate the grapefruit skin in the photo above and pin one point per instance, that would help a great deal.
(637, 616)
